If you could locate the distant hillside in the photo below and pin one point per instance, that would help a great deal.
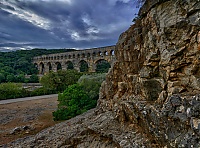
(19, 62)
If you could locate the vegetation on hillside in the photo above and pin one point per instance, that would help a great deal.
(78, 92)
(15, 65)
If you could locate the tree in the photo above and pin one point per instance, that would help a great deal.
(10, 78)
(33, 78)
(2, 78)
(72, 102)
(80, 97)
(11, 91)
(20, 78)
(102, 67)
(70, 65)
(84, 66)
(60, 80)
(91, 84)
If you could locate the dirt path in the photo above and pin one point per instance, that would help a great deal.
(27, 98)
(25, 118)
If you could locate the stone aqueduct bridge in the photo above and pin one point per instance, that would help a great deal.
(53, 62)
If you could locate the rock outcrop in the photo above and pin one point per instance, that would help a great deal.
(151, 96)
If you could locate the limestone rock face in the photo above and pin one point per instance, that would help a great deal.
(157, 74)
(151, 96)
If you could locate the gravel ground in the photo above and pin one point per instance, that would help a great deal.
(25, 118)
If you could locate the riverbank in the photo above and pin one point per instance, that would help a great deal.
(24, 118)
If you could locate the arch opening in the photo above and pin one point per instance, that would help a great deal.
(49, 66)
(58, 66)
(83, 55)
(100, 53)
(112, 52)
(41, 68)
(69, 65)
(105, 53)
(83, 66)
(102, 66)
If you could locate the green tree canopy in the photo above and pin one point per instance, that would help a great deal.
(72, 102)
(80, 97)
(60, 80)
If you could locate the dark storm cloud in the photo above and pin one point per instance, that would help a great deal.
(63, 23)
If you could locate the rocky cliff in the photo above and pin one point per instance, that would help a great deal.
(151, 96)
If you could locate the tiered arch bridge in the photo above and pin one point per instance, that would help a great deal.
(66, 60)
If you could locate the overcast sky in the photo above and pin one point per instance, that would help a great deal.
(27, 24)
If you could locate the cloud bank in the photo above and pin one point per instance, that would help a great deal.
(27, 24)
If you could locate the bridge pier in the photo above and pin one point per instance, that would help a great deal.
(54, 67)
(92, 67)
(63, 65)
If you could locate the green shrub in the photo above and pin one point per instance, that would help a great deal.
(92, 83)
(42, 91)
(60, 80)
(34, 78)
(102, 67)
(12, 90)
(79, 98)
(72, 102)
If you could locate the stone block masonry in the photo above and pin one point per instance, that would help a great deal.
(45, 63)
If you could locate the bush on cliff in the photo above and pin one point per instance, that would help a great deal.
(72, 102)
(79, 98)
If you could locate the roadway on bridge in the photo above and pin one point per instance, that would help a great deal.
(27, 98)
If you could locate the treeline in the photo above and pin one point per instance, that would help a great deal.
(16, 90)
(15, 65)
(77, 92)
(54, 82)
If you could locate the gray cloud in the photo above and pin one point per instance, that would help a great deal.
(63, 23)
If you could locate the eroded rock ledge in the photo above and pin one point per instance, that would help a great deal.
(151, 96)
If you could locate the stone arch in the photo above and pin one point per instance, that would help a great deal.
(69, 56)
(69, 65)
(94, 54)
(83, 55)
(112, 52)
(49, 66)
(41, 68)
(88, 54)
(58, 66)
(105, 53)
(74, 56)
(102, 66)
(83, 66)
(78, 56)
(100, 53)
